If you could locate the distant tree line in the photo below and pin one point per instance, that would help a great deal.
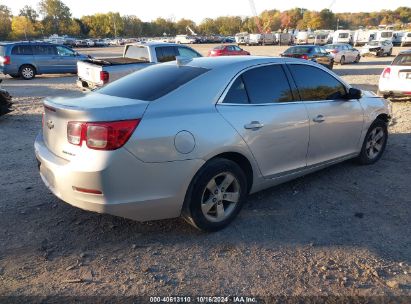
(54, 17)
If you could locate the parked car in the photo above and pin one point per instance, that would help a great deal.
(406, 39)
(80, 43)
(343, 53)
(195, 138)
(377, 48)
(28, 59)
(261, 39)
(310, 52)
(94, 73)
(5, 101)
(186, 39)
(395, 80)
(227, 50)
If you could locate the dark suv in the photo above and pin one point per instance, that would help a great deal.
(28, 59)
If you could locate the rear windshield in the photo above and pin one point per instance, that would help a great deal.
(386, 34)
(404, 59)
(299, 50)
(137, 52)
(343, 35)
(153, 82)
(2, 50)
(332, 46)
(220, 47)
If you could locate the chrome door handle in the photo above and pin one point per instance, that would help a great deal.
(254, 125)
(319, 118)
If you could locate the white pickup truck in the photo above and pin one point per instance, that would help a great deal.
(96, 72)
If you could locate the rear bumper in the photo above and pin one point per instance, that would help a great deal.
(84, 84)
(130, 188)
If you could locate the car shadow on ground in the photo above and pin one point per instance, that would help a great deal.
(345, 205)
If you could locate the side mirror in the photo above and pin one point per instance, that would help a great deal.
(354, 93)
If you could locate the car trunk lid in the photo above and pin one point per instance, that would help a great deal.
(93, 107)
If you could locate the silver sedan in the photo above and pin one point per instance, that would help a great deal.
(194, 138)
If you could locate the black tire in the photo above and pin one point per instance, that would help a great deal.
(357, 59)
(342, 60)
(27, 72)
(389, 53)
(15, 76)
(365, 158)
(330, 66)
(198, 192)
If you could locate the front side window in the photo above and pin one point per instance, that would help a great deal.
(62, 51)
(315, 84)
(267, 84)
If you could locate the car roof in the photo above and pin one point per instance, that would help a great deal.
(406, 52)
(25, 42)
(155, 43)
(234, 62)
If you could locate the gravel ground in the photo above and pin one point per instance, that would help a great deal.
(342, 231)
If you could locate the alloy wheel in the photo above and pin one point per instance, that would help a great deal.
(220, 197)
(375, 143)
(27, 73)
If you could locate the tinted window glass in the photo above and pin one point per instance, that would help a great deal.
(137, 52)
(316, 84)
(267, 84)
(44, 50)
(404, 59)
(153, 82)
(166, 53)
(186, 52)
(298, 50)
(62, 51)
(2, 50)
(237, 92)
(22, 50)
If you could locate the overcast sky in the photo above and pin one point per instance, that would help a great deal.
(198, 10)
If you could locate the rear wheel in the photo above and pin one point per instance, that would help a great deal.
(342, 60)
(215, 195)
(358, 58)
(389, 53)
(374, 143)
(27, 72)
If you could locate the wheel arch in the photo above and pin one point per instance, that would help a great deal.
(30, 64)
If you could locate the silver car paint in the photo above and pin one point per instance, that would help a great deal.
(148, 178)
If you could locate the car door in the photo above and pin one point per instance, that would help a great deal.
(260, 105)
(350, 53)
(335, 122)
(67, 60)
(46, 58)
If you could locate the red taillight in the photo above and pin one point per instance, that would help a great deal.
(386, 73)
(101, 135)
(104, 76)
(304, 57)
(6, 60)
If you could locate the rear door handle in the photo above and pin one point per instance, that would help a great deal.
(319, 118)
(254, 125)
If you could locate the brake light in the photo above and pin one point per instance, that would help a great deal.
(386, 73)
(104, 76)
(304, 57)
(101, 135)
(6, 60)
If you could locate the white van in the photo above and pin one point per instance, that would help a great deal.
(406, 39)
(384, 35)
(362, 37)
(185, 39)
(261, 39)
(342, 36)
(242, 38)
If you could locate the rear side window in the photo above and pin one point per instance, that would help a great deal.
(44, 50)
(404, 59)
(153, 82)
(22, 50)
(267, 84)
(166, 53)
(137, 52)
(316, 84)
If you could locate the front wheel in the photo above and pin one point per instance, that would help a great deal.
(390, 52)
(374, 143)
(357, 59)
(215, 195)
(342, 60)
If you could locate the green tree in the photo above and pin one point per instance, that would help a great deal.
(56, 16)
(30, 13)
(5, 22)
(22, 28)
(133, 26)
(182, 24)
